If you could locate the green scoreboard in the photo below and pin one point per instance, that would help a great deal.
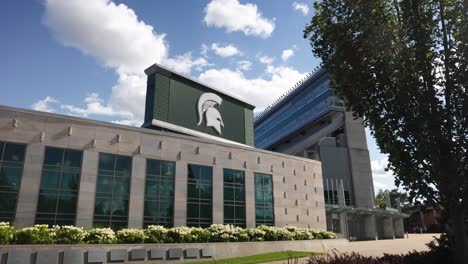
(181, 104)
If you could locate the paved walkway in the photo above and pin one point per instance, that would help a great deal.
(378, 248)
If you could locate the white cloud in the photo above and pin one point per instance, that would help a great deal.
(378, 168)
(185, 63)
(301, 7)
(384, 180)
(266, 60)
(110, 32)
(226, 51)
(260, 91)
(45, 104)
(114, 35)
(234, 16)
(204, 50)
(94, 106)
(244, 65)
(286, 54)
(380, 186)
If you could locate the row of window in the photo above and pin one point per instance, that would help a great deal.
(59, 187)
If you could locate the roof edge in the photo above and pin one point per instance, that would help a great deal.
(166, 71)
(151, 131)
(289, 94)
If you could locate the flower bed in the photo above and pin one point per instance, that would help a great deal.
(42, 234)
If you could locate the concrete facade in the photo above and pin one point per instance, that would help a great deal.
(298, 179)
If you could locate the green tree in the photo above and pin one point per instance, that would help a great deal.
(402, 66)
(380, 199)
(394, 194)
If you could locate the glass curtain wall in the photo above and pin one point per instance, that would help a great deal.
(264, 210)
(11, 171)
(234, 197)
(199, 195)
(159, 193)
(58, 193)
(112, 191)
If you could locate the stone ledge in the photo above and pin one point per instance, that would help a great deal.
(217, 250)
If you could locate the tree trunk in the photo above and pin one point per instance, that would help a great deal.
(457, 219)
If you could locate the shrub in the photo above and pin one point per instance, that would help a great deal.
(328, 235)
(227, 233)
(7, 233)
(38, 234)
(41, 234)
(271, 232)
(441, 255)
(69, 235)
(256, 234)
(155, 234)
(199, 235)
(179, 234)
(130, 235)
(100, 236)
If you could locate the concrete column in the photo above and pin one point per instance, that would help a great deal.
(218, 195)
(359, 162)
(30, 182)
(137, 193)
(180, 193)
(344, 225)
(370, 227)
(388, 231)
(399, 227)
(87, 192)
(249, 199)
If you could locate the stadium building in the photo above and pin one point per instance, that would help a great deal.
(194, 163)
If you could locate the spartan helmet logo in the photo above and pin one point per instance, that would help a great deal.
(206, 105)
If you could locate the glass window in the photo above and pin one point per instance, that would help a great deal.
(112, 191)
(199, 195)
(234, 197)
(159, 193)
(11, 171)
(58, 195)
(264, 212)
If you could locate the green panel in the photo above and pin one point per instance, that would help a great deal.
(149, 102)
(161, 98)
(183, 111)
(249, 129)
(173, 98)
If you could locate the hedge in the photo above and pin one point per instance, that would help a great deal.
(43, 234)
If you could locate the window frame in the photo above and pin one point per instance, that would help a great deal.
(2, 153)
(109, 217)
(159, 179)
(263, 175)
(234, 203)
(59, 189)
(200, 222)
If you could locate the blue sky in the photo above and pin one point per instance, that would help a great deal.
(86, 57)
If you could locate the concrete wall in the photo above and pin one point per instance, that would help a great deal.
(297, 179)
(218, 250)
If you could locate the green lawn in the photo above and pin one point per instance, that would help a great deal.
(262, 258)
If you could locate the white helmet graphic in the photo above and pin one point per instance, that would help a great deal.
(206, 105)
